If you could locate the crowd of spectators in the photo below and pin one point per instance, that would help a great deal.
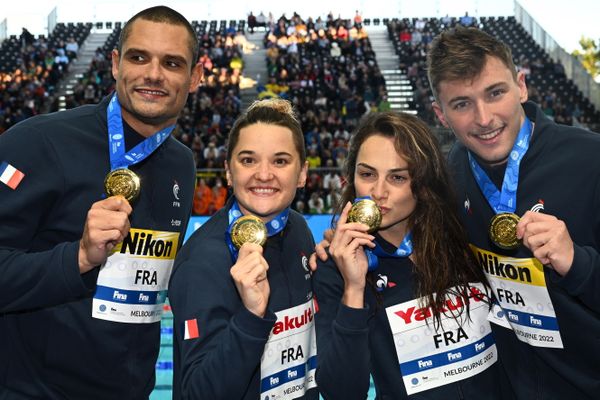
(210, 113)
(327, 69)
(30, 69)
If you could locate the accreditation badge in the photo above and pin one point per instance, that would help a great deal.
(460, 348)
(133, 281)
(289, 361)
(523, 301)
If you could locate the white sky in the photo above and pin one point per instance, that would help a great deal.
(565, 21)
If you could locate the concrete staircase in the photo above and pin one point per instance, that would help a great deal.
(255, 69)
(79, 67)
(398, 87)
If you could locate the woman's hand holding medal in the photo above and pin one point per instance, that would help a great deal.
(107, 224)
(249, 274)
(347, 250)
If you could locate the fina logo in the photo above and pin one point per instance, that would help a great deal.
(176, 190)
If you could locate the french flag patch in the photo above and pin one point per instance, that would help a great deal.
(190, 329)
(10, 176)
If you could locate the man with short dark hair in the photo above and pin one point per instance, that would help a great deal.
(94, 203)
(528, 190)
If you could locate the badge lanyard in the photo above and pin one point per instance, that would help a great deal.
(506, 200)
(274, 226)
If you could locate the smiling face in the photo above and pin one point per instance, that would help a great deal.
(382, 174)
(154, 75)
(265, 170)
(485, 112)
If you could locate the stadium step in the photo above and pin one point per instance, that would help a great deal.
(79, 67)
(255, 68)
(399, 89)
(400, 85)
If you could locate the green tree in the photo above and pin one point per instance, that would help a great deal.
(589, 55)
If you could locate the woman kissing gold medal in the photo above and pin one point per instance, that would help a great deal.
(365, 211)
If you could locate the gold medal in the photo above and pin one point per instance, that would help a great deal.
(248, 228)
(366, 212)
(503, 230)
(122, 182)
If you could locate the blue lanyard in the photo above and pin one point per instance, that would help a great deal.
(404, 250)
(505, 201)
(274, 226)
(116, 139)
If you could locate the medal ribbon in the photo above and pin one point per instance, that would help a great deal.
(404, 250)
(116, 139)
(274, 226)
(505, 201)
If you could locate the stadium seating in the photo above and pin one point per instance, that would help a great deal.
(546, 80)
(30, 69)
(326, 67)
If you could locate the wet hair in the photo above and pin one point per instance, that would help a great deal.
(162, 14)
(441, 252)
(461, 53)
(272, 112)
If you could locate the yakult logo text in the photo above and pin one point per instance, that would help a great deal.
(289, 323)
(452, 304)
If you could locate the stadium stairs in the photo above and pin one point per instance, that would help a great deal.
(398, 87)
(255, 68)
(80, 66)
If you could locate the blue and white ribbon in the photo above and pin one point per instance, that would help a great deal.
(505, 201)
(116, 139)
(274, 226)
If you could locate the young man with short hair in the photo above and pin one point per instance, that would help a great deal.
(528, 190)
(94, 204)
